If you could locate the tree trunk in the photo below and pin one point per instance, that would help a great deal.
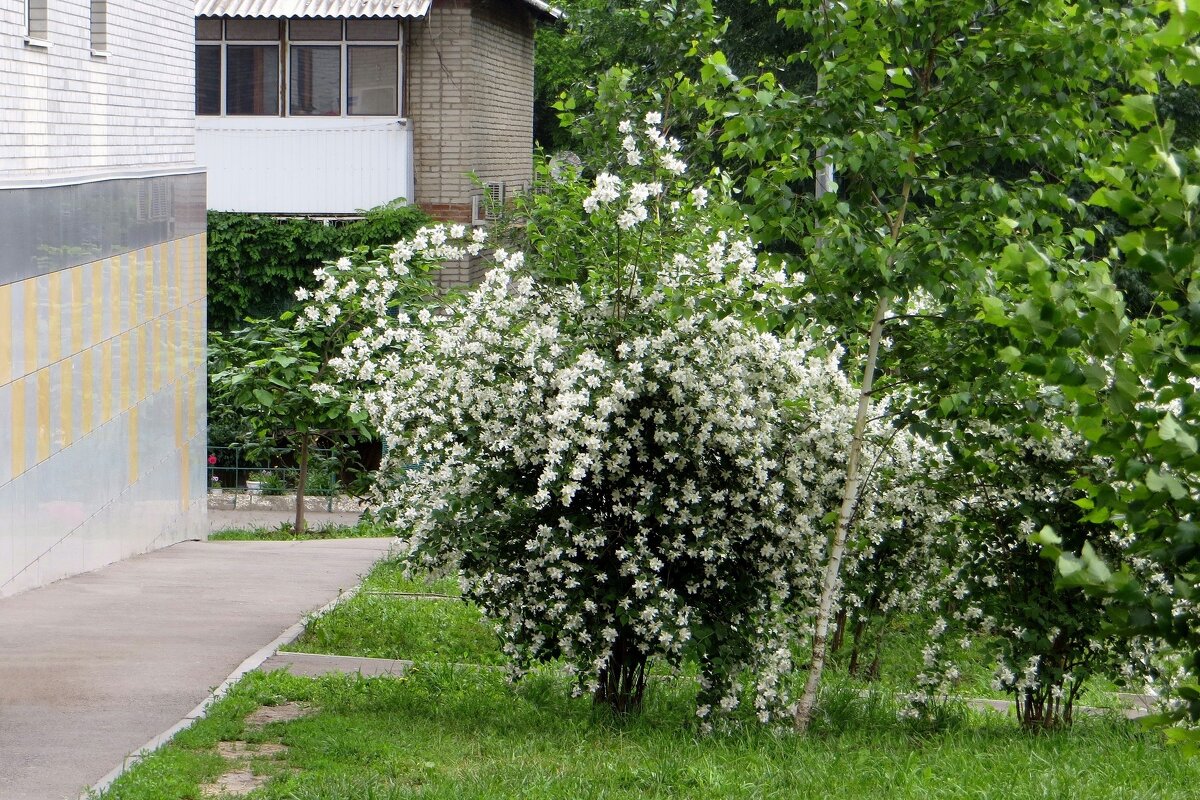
(837, 546)
(839, 632)
(860, 633)
(301, 482)
(623, 681)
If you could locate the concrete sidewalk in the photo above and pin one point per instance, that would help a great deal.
(94, 666)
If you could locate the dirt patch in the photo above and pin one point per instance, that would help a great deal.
(236, 750)
(238, 783)
(281, 713)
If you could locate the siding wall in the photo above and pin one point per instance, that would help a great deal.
(63, 110)
(102, 291)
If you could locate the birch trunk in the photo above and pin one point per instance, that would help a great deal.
(837, 547)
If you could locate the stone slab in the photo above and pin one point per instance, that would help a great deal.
(313, 665)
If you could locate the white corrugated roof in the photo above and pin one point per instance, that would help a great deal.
(312, 8)
(331, 8)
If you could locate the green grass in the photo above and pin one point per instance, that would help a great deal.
(446, 731)
(901, 661)
(284, 533)
(467, 733)
(386, 626)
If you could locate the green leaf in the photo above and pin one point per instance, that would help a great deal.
(1138, 110)
(1170, 430)
(264, 397)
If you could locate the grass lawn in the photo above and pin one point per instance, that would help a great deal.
(284, 533)
(465, 732)
(379, 624)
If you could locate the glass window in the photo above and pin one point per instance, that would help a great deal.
(208, 79)
(333, 67)
(373, 30)
(251, 29)
(372, 81)
(36, 19)
(99, 26)
(315, 81)
(208, 30)
(315, 30)
(252, 79)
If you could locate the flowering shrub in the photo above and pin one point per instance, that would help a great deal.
(1019, 477)
(605, 440)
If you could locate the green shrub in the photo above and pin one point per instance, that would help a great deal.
(256, 263)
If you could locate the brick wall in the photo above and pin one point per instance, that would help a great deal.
(470, 100)
(66, 111)
(502, 121)
(440, 73)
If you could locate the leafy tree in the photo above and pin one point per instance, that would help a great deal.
(274, 375)
(954, 128)
(268, 383)
(1132, 379)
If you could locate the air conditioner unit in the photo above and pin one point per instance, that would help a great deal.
(489, 205)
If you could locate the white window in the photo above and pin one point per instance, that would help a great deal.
(318, 67)
(99, 22)
(36, 27)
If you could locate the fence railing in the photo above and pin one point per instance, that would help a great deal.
(272, 471)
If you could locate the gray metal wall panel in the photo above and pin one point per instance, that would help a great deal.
(48, 228)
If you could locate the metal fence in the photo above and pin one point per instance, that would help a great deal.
(272, 470)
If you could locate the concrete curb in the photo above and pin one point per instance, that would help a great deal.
(248, 665)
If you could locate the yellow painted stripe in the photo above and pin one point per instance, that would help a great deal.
(163, 278)
(178, 338)
(18, 427)
(133, 445)
(77, 310)
(43, 415)
(141, 348)
(66, 400)
(55, 316)
(87, 392)
(191, 405)
(118, 296)
(185, 320)
(6, 334)
(170, 328)
(202, 271)
(177, 284)
(156, 336)
(129, 262)
(190, 355)
(96, 307)
(106, 381)
(149, 298)
(31, 328)
(126, 371)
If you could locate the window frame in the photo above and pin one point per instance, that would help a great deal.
(286, 80)
(284, 43)
(36, 22)
(225, 45)
(98, 27)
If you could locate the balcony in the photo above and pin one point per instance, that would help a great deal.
(304, 165)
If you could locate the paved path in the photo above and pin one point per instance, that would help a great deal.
(94, 666)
